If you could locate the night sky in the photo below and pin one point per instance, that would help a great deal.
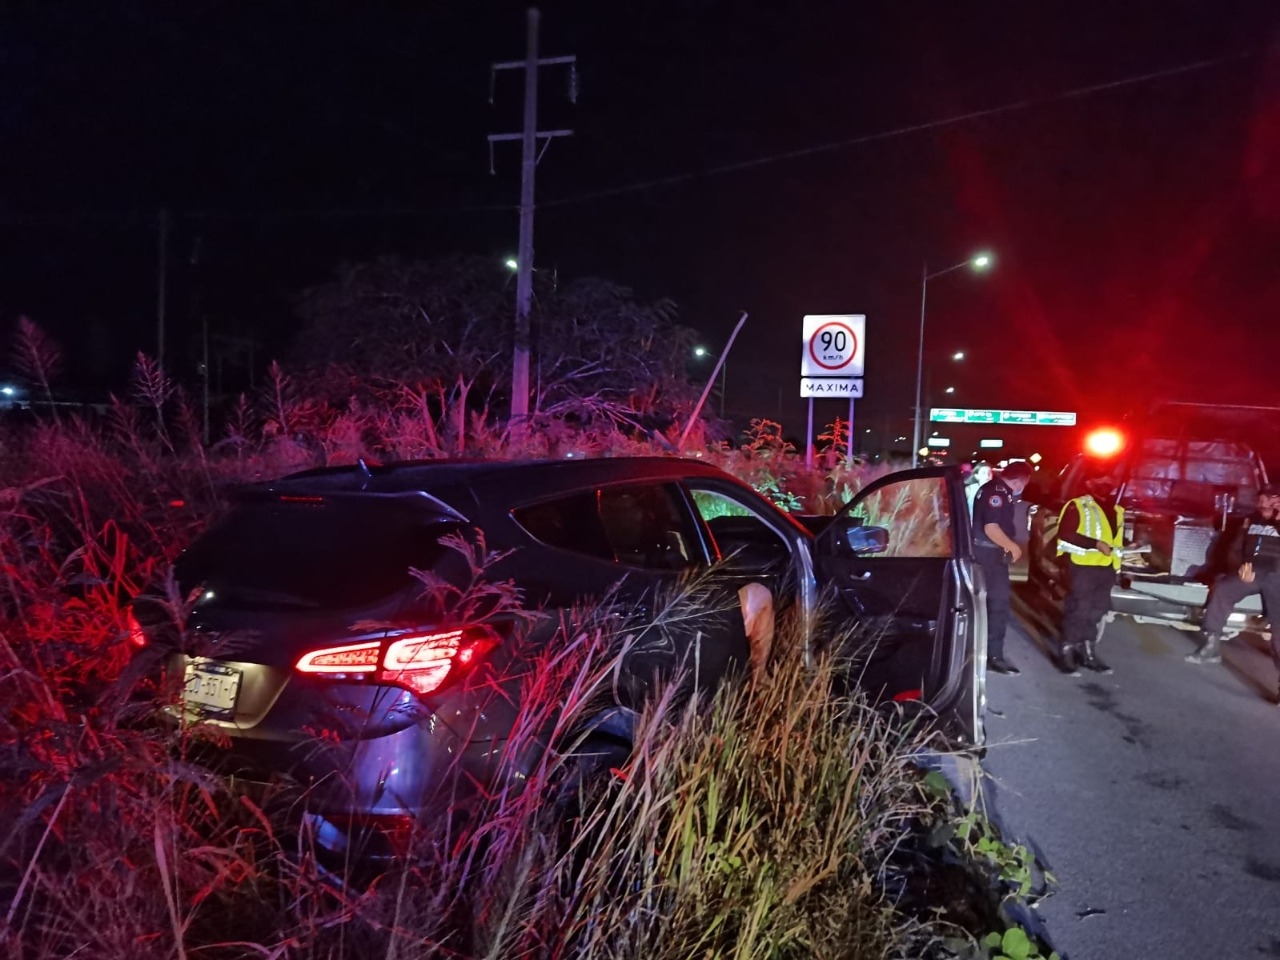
(1136, 228)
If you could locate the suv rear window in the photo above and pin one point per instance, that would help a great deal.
(331, 554)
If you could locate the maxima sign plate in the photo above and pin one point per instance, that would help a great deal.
(831, 387)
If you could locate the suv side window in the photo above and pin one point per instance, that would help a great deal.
(570, 523)
(917, 514)
(738, 530)
(644, 525)
(649, 526)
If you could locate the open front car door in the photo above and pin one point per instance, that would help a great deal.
(898, 559)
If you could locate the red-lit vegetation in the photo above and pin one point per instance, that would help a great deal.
(782, 819)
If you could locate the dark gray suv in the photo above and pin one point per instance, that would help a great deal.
(335, 633)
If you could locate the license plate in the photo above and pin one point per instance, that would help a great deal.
(211, 688)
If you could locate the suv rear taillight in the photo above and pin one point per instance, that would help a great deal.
(137, 636)
(352, 658)
(420, 662)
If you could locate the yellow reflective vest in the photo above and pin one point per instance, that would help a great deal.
(1093, 526)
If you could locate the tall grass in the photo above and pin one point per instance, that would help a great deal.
(759, 822)
(767, 819)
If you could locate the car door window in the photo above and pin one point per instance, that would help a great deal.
(648, 525)
(569, 523)
(917, 514)
(737, 529)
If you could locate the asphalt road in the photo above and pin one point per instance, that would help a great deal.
(1153, 793)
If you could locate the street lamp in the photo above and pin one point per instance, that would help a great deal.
(930, 372)
(511, 263)
(701, 352)
(979, 262)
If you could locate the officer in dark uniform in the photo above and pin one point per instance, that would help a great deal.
(995, 546)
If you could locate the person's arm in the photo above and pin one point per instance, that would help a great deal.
(1068, 531)
(1000, 538)
(1235, 548)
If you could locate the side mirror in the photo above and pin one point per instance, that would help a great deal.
(854, 539)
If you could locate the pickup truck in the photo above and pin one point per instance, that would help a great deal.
(1190, 475)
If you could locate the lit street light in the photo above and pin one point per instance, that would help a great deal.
(930, 373)
(979, 262)
(701, 352)
(511, 264)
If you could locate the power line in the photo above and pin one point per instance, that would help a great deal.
(801, 152)
(146, 215)
(347, 213)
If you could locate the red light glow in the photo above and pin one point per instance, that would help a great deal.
(1104, 442)
(137, 636)
(419, 662)
(353, 658)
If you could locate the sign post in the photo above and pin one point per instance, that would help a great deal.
(848, 457)
(808, 440)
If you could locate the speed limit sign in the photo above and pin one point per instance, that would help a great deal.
(834, 345)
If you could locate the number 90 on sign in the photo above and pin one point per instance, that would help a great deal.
(834, 345)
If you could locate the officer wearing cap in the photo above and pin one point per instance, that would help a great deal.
(1257, 553)
(995, 546)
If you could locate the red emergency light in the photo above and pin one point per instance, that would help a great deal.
(1104, 442)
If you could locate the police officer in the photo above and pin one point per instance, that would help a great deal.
(995, 546)
(1257, 553)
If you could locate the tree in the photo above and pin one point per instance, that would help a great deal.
(445, 327)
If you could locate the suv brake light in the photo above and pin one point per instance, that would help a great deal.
(353, 658)
(420, 662)
(137, 636)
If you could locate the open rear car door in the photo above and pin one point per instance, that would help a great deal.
(899, 559)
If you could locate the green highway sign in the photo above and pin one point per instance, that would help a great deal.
(1018, 416)
(1056, 419)
(1029, 418)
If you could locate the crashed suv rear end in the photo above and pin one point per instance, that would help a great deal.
(310, 643)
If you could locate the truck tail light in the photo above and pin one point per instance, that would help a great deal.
(420, 662)
(1104, 442)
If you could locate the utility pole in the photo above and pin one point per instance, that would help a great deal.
(162, 277)
(529, 157)
(197, 309)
